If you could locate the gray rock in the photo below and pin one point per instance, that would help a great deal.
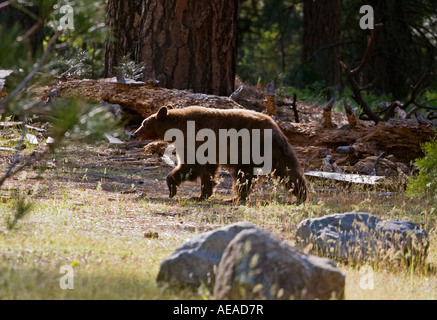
(257, 265)
(194, 262)
(359, 236)
(406, 237)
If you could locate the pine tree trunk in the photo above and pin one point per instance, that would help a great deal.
(394, 58)
(321, 37)
(184, 44)
(124, 23)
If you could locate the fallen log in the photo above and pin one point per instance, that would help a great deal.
(348, 141)
(400, 139)
(141, 99)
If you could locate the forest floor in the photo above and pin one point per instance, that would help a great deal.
(104, 211)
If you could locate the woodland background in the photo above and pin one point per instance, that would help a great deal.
(294, 43)
(77, 190)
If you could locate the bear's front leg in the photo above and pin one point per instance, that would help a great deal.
(172, 187)
(207, 180)
(178, 175)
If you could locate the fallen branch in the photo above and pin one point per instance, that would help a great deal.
(376, 163)
(136, 101)
(345, 177)
(420, 106)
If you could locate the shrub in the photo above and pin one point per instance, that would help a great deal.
(425, 184)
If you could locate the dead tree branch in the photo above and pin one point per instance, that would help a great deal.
(354, 85)
(389, 112)
(370, 43)
(415, 90)
(294, 107)
(327, 120)
(350, 115)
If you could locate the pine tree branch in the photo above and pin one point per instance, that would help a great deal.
(23, 84)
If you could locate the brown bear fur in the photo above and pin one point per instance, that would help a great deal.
(284, 162)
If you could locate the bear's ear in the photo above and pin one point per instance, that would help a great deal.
(169, 107)
(162, 114)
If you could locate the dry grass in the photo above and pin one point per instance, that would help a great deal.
(112, 221)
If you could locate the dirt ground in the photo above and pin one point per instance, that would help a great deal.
(120, 224)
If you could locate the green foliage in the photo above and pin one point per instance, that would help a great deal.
(269, 40)
(89, 34)
(12, 53)
(78, 65)
(313, 94)
(79, 52)
(130, 69)
(431, 97)
(425, 184)
(77, 120)
(318, 94)
(21, 48)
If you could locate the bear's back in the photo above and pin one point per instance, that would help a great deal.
(223, 118)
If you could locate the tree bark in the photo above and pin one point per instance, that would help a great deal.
(184, 44)
(394, 57)
(321, 36)
(124, 19)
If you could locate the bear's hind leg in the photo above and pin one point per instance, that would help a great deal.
(243, 184)
(294, 182)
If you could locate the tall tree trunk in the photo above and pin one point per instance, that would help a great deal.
(321, 36)
(124, 18)
(395, 58)
(184, 44)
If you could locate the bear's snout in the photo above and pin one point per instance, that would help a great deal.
(137, 133)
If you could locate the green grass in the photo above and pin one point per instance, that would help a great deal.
(107, 263)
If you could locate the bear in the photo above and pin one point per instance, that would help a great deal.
(243, 128)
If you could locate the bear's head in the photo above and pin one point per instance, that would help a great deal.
(152, 127)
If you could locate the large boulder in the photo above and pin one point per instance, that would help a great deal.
(404, 237)
(358, 236)
(257, 265)
(194, 262)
